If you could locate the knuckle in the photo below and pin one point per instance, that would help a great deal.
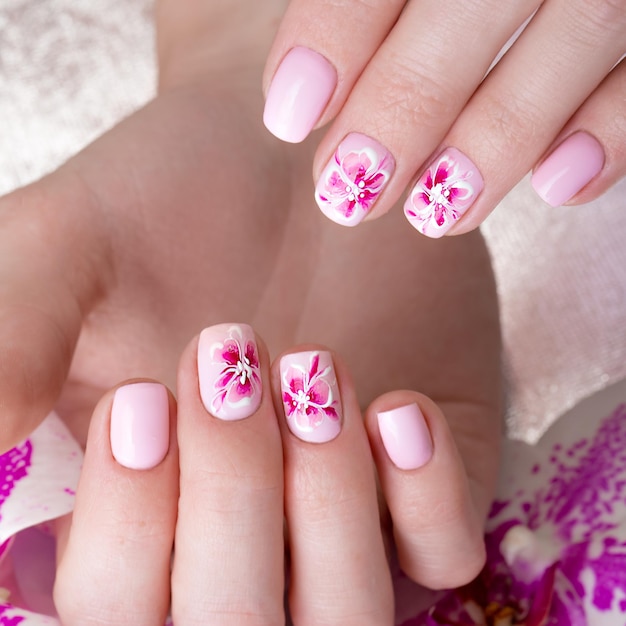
(413, 97)
(509, 126)
(597, 18)
(442, 570)
(196, 613)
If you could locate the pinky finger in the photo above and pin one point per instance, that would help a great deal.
(115, 564)
(589, 156)
(437, 527)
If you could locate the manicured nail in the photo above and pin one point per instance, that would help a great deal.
(298, 94)
(443, 194)
(228, 371)
(568, 169)
(406, 436)
(140, 425)
(353, 179)
(311, 396)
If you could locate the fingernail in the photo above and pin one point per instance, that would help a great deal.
(311, 396)
(300, 90)
(568, 169)
(353, 179)
(444, 193)
(140, 425)
(229, 371)
(406, 436)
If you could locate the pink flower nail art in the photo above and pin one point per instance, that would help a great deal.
(311, 396)
(353, 179)
(228, 370)
(443, 194)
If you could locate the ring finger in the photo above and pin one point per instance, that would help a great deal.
(339, 569)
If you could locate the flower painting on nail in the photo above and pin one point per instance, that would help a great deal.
(238, 382)
(443, 194)
(308, 394)
(353, 180)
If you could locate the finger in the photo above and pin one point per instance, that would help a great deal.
(438, 524)
(115, 567)
(52, 270)
(318, 53)
(516, 114)
(339, 569)
(228, 566)
(589, 156)
(405, 101)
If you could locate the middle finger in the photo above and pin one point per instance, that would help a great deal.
(228, 566)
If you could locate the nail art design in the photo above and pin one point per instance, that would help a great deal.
(353, 179)
(443, 194)
(310, 396)
(228, 368)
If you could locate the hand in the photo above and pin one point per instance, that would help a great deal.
(187, 214)
(413, 104)
(253, 448)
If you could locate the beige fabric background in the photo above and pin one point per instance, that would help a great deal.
(70, 68)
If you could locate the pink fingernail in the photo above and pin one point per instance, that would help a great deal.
(568, 169)
(140, 425)
(353, 179)
(300, 90)
(311, 396)
(406, 436)
(444, 193)
(229, 371)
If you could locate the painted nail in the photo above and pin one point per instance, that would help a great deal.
(311, 396)
(406, 436)
(140, 425)
(229, 371)
(300, 90)
(568, 169)
(353, 179)
(443, 194)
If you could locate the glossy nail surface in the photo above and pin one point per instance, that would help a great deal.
(443, 194)
(228, 371)
(353, 179)
(310, 396)
(140, 425)
(299, 92)
(406, 436)
(568, 169)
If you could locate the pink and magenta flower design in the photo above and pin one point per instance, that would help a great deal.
(443, 194)
(310, 395)
(353, 179)
(230, 377)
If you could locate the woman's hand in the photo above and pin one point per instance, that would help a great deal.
(214, 477)
(414, 106)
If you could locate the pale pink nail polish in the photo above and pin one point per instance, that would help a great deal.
(406, 436)
(444, 193)
(353, 179)
(140, 425)
(311, 396)
(229, 371)
(568, 169)
(300, 90)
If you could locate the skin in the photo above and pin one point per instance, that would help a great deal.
(187, 214)
(417, 77)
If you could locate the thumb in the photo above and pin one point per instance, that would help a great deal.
(51, 274)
